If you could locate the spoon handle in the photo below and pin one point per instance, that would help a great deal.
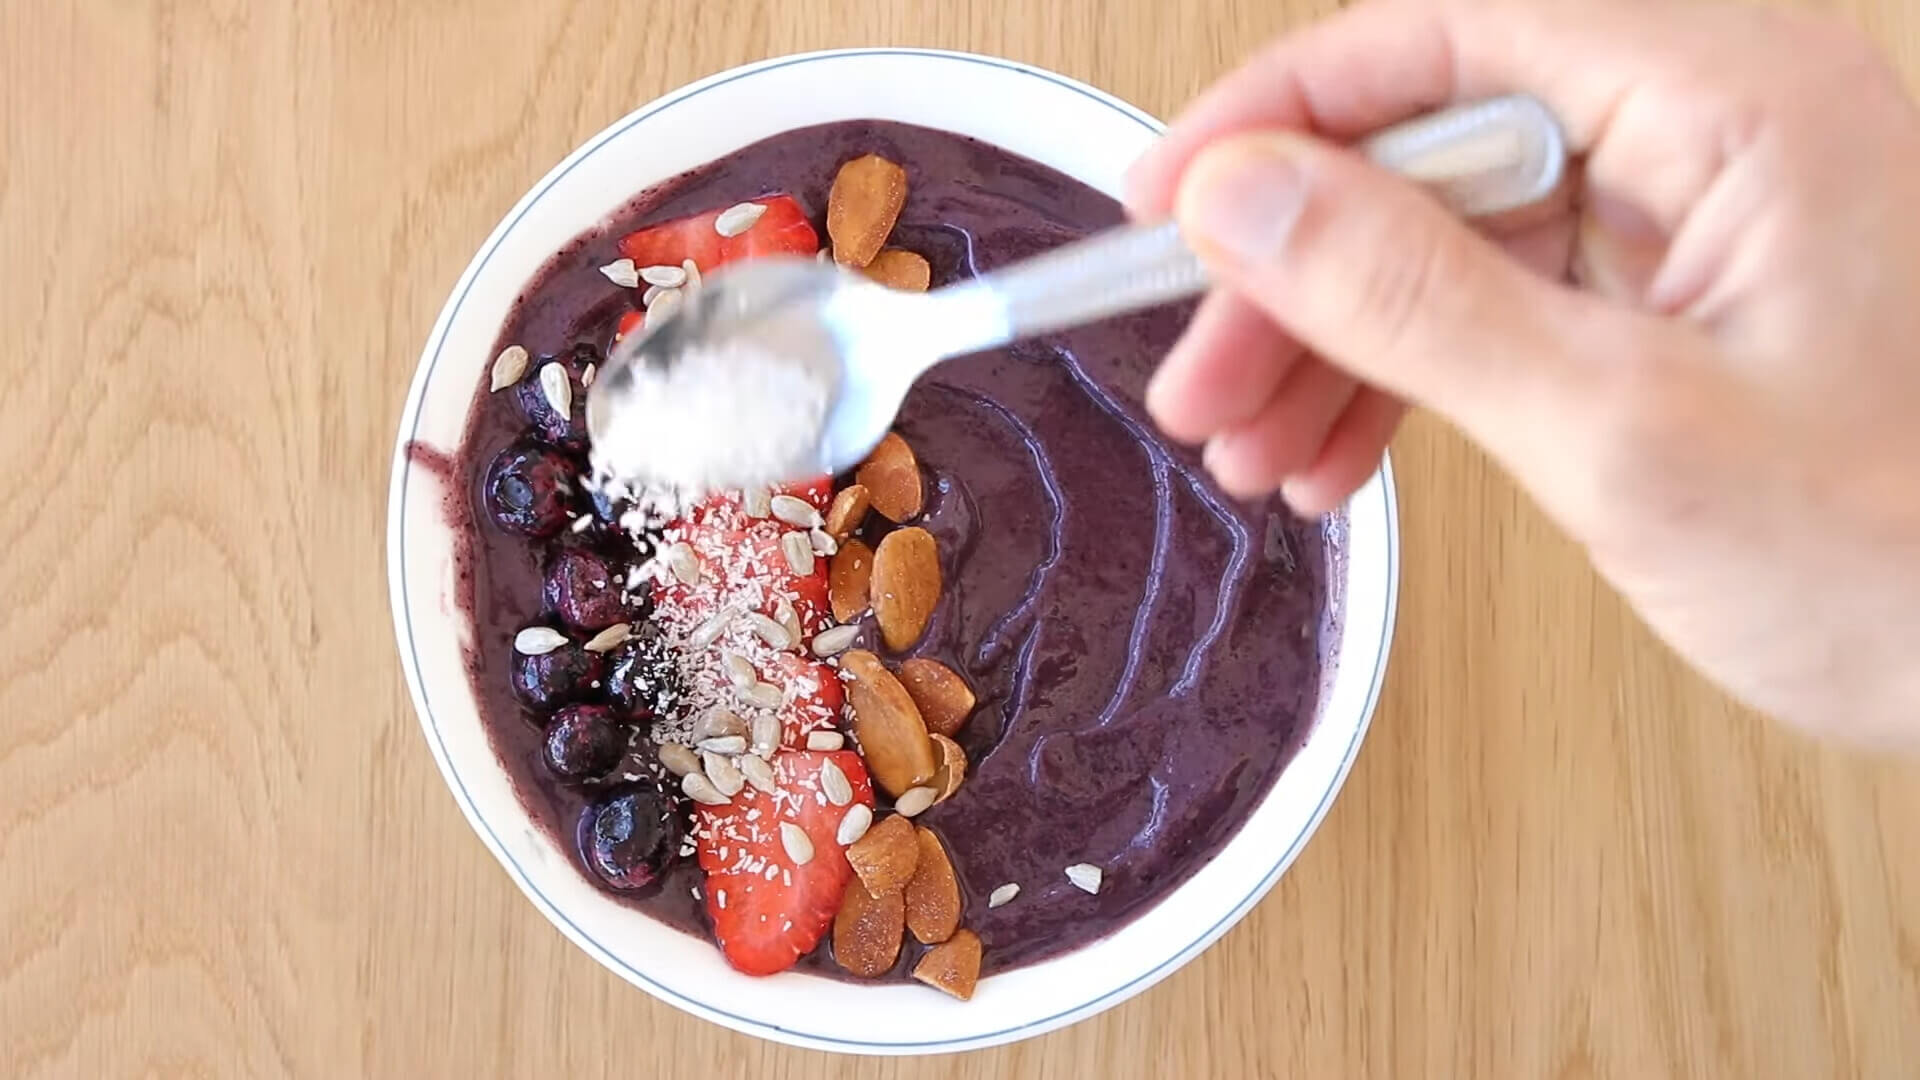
(1482, 158)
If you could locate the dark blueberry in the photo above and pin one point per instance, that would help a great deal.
(530, 489)
(632, 837)
(580, 589)
(561, 677)
(569, 431)
(644, 681)
(584, 741)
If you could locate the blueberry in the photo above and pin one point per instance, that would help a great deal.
(584, 741)
(633, 836)
(644, 681)
(569, 431)
(561, 677)
(529, 489)
(580, 589)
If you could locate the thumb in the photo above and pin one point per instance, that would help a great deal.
(1375, 276)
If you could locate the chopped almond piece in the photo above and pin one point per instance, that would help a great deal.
(885, 858)
(942, 697)
(898, 268)
(933, 896)
(953, 766)
(867, 195)
(849, 580)
(891, 475)
(893, 738)
(866, 931)
(849, 509)
(954, 966)
(905, 586)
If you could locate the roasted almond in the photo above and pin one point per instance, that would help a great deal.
(849, 580)
(953, 966)
(898, 268)
(867, 195)
(866, 931)
(849, 509)
(952, 769)
(885, 858)
(891, 475)
(905, 586)
(943, 698)
(933, 896)
(893, 739)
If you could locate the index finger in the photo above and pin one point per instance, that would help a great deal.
(1377, 63)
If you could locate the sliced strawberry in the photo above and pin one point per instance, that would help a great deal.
(815, 696)
(818, 491)
(783, 229)
(631, 321)
(765, 923)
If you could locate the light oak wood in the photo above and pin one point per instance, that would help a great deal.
(225, 229)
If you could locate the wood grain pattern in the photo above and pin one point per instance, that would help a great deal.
(226, 227)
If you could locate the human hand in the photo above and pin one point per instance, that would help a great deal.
(1703, 360)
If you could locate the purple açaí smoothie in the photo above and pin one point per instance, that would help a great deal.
(1147, 654)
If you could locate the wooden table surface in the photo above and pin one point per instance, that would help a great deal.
(225, 229)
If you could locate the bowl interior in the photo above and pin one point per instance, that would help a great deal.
(1053, 120)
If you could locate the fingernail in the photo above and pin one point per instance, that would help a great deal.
(1243, 199)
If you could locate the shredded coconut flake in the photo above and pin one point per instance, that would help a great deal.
(721, 418)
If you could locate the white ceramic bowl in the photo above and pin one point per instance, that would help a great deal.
(1051, 119)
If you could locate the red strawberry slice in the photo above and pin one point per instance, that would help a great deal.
(631, 321)
(783, 229)
(815, 696)
(818, 491)
(767, 911)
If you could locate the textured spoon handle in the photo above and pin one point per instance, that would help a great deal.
(1480, 159)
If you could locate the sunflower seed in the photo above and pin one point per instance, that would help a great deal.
(693, 272)
(914, 801)
(795, 511)
(788, 619)
(718, 722)
(538, 641)
(709, 632)
(509, 366)
(834, 641)
(622, 273)
(701, 790)
(770, 632)
(725, 775)
(557, 390)
(581, 524)
(667, 277)
(823, 542)
(738, 218)
(739, 670)
(1085, 877)
(1003, 895)
(679, 758)
(766, 734)
(823, 256)
(756, 502)
(799, 846)
(799, 552)
(610, 639)
(586, 375)
(855, 824)
(723, 744)
(663, 306)
(834, 783)
(765, 695)
(757, 772)
(825, 739)
(653, 291)
(681, 560)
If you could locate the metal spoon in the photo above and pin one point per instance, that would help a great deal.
(868, 344)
